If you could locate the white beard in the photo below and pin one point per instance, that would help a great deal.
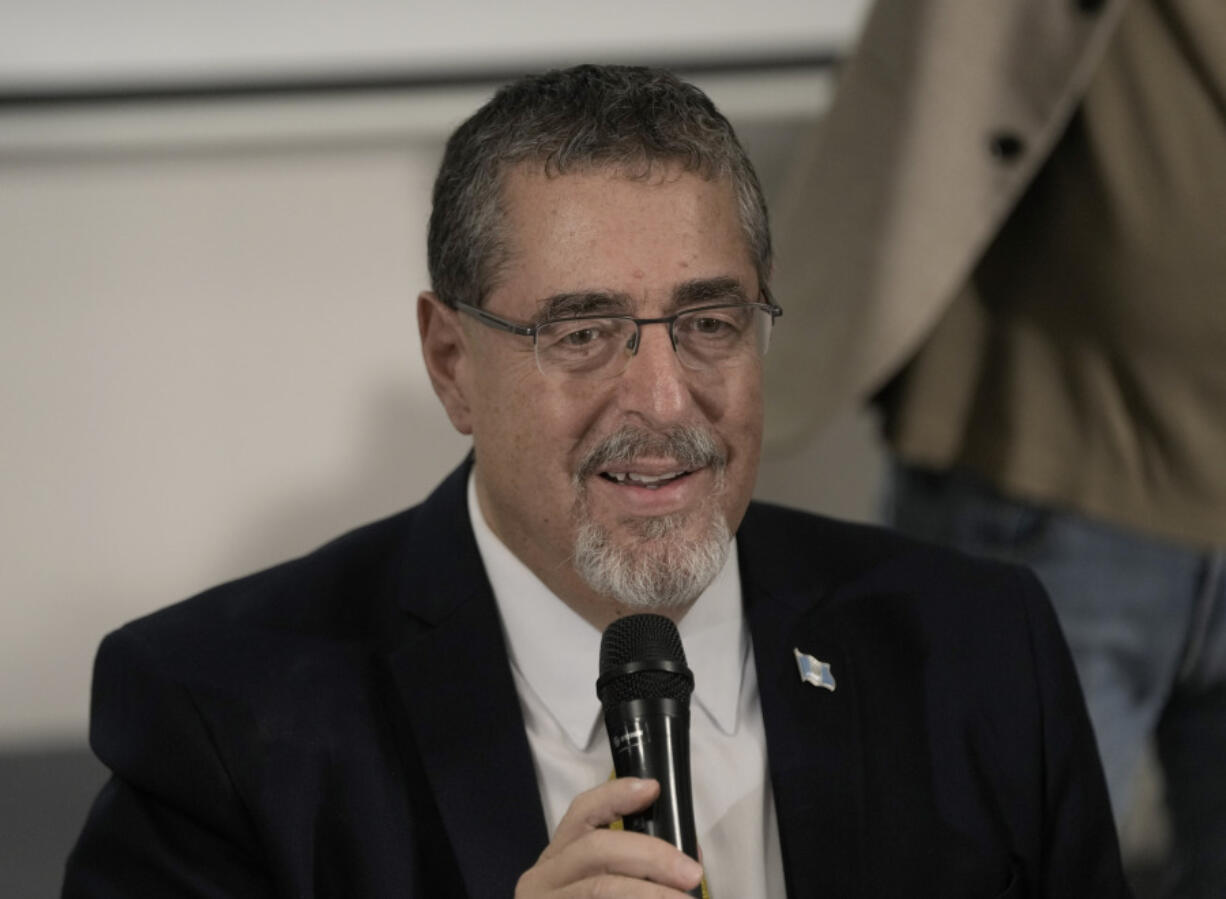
(656, 567)
(658, 571)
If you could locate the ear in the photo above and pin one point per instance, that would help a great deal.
(446, 354)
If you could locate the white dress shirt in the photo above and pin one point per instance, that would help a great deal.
(554, 657)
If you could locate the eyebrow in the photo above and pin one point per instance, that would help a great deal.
(696, 292)
(702, 291)
(588, 302)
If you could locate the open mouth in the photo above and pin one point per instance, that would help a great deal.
(642, 479)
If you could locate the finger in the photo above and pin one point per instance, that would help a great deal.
(606, 886)
(601, 855)
(611, 885)
(601, 806)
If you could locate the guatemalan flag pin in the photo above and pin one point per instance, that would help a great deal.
(814, 671)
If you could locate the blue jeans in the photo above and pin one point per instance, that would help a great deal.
(1146, 622)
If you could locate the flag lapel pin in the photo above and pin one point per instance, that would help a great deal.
(813, 670)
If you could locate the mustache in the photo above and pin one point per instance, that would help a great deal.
(691, 446)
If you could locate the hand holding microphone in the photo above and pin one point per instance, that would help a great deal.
(644, 688)
(585, 858)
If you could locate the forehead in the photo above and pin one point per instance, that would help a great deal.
(603, 231)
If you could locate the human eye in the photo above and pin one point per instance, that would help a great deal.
(576, 334)
(718, 324)
(712, 326)
(580, 344)
(580, 336)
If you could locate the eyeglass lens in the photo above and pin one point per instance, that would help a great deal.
(703, 339)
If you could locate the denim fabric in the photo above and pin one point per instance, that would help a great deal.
(1146, 622)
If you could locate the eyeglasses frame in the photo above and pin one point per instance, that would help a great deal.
(502, 324)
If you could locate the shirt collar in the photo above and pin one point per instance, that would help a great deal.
(557, 652)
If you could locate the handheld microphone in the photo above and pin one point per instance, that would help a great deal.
(644, 688)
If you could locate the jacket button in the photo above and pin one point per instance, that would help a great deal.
(1089, 5)
(1006, 146)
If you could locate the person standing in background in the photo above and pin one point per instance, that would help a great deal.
(1010, 232)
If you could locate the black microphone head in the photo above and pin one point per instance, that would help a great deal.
(641, 657)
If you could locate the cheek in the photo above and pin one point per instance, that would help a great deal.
(534, 425)
(743, 422)
(732, 401)
(567, 416)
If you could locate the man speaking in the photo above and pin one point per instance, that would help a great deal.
(410, 710)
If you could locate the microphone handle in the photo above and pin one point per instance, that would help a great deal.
(651, 738)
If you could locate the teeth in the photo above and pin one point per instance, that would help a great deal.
(647, 480)
(653, 478)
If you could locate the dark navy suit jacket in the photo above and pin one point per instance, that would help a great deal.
(345, 725)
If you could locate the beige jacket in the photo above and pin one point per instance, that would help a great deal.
(945, 112)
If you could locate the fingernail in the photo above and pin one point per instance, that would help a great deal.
(688, 869)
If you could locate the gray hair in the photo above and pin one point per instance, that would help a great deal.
(588, 117)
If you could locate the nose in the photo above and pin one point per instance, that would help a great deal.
(655, 384)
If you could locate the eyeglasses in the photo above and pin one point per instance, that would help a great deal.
(600, 346)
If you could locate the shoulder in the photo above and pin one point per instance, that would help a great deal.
(885, 585)
(331, 590)
(898, 608)
(957, 658)
(909, 618)
(343, 591)
(287, 651)
(274, 644)
(224, 713)
(268, 670)
(831, 551)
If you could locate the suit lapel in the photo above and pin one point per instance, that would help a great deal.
(813, 738)
(454, 683)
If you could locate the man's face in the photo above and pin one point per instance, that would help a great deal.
(592, 243)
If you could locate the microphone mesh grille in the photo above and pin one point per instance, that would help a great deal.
(642, 638)
(645, 685)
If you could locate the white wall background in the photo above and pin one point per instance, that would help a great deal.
(68, 41)
(208, 355)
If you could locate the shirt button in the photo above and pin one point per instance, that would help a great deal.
(1006, 146)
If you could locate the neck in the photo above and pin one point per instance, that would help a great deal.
(601, 611)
